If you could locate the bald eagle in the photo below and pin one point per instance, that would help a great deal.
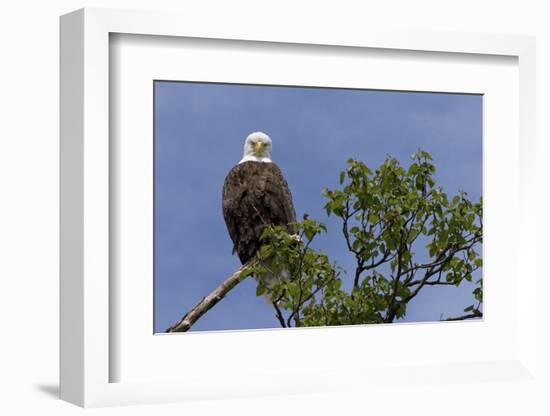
(255, 194)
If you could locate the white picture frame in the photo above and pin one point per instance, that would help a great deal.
(86, 302)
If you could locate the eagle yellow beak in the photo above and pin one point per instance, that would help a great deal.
(258, 147)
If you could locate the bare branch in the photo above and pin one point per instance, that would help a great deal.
(392, 307)
(441, 260)
(209, 301)
(278, 313)
(475, 314)
(438, 281)
(345, 231)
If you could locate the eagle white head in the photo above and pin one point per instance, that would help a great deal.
(257, 148)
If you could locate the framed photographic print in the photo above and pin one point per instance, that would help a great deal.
(231, 197)
(315, 132)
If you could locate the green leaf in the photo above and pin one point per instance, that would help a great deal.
(260, 289)
(401, 309)
(246, 272)
(294, 290)
(425, 155)
(266, 251)
(469, 308)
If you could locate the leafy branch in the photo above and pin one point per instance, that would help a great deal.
(404, 233)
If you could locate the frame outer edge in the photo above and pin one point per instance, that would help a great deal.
(71, 202)
(95, 182)
(528, 316)
(378, 35)
(84, 177)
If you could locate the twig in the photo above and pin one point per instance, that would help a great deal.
(278, 313)
(207, 302)
(474, 314)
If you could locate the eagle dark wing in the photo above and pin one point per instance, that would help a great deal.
(255, 194)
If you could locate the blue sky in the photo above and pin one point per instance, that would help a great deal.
(199, 135)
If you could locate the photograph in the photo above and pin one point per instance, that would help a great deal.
(282, 206)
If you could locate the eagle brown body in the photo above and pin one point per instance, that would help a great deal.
(255, 194)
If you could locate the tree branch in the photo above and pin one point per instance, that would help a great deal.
(392, 308)
(475, 314)
(209, 301)
(278, 313)
(441, 259)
